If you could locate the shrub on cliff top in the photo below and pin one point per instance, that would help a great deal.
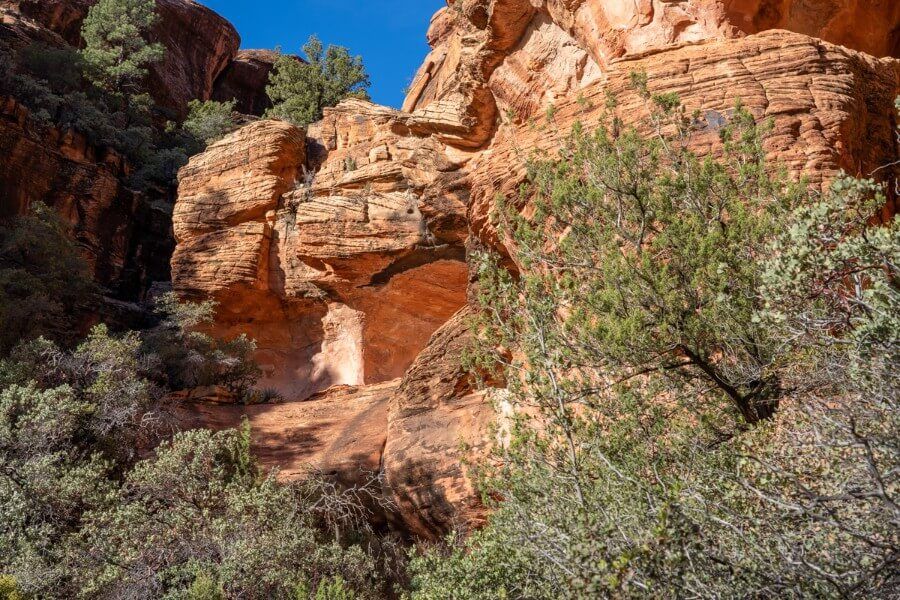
(300, 90)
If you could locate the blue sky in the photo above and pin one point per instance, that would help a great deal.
(389, 34)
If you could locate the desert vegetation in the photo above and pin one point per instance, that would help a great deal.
(692, 354)
(702, 356)
(300, 90)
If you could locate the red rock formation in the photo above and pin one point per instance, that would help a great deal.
(434, 413)
(341, 278)
(340, 432)
(62, 170)
(244, 80)
(199, 43)
(363, 254)
(872, 26)
(832, 107)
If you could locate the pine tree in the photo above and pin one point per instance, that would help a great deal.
(116, 51)
(300, 90)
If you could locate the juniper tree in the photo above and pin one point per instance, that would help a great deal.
(116, 52)
(619, 476)
(300, 90)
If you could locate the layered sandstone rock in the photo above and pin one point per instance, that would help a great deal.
(345, 262)
(437, 421)
(342, 273)
(123, 235)
(832, 108)
(62, 170)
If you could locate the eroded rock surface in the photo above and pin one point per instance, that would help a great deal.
(347, 264)
(340, 433)
(342, 273)
(437, 420)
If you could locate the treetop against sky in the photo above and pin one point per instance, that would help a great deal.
(389, 35)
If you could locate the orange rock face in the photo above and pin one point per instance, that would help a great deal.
(65, 172)
(341, 432)
(872, 26)
(344, 253)
(341, 274)
(433, 414)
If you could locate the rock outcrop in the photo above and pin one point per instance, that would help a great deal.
(199, 43)
(244, 80)
(342, 249)
(437, 421)
(339, 433)
(341, 273)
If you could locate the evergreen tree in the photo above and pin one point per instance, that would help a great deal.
(116, 50)
(300, 90)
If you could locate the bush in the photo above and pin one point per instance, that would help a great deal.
(208, 121)
(300, 90)
(201, 506)
(188, 358)
(620, 475)
(79, 517)
(44, 282)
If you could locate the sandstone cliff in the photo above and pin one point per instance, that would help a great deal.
(343, 253)
(342, 249)
(126, 236)
(199, 43)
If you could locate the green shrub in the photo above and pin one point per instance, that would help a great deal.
(300, 90)
(44, 282)
(620, 475)
(187, 357)
(208, 121)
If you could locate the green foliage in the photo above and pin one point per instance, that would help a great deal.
(116, 52)
(620, 475)
(50, 82)
(205, 587)
(334, 588)
(201, 506)
(208, 121)
(656, 268)
(48, 478)
(300, 90)
(80, 517)
(186, 357)
(9, 588)
(43, 280)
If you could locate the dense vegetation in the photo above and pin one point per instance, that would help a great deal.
(101, 92)
(102, 496)
(300, 90)
(703, 357)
